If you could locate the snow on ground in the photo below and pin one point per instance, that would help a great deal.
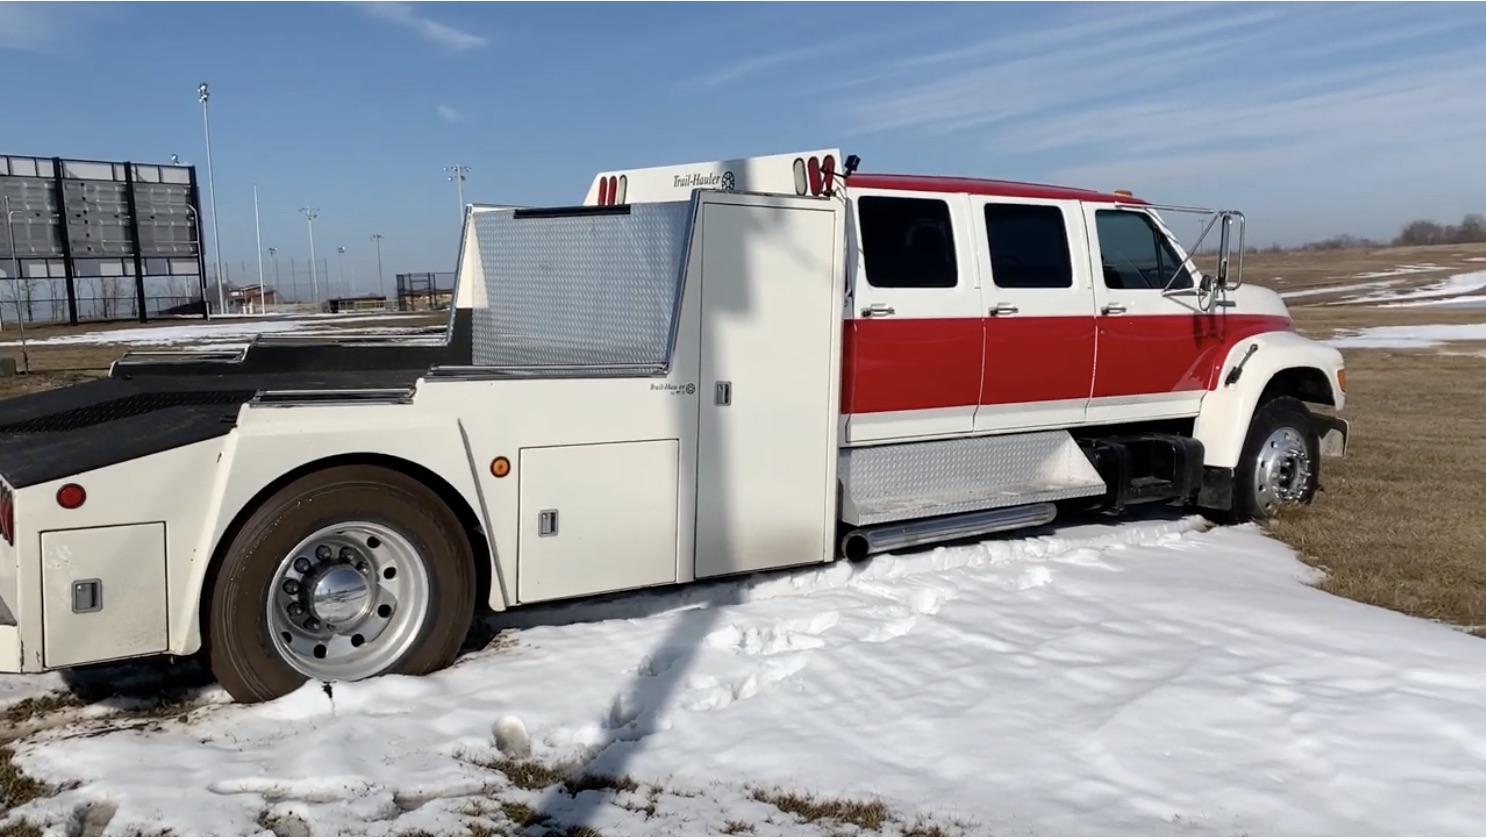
(1399, 271)
(1347, 287)
(214, 330)
(1410, 337)
(1148, 678)
(1447, 290)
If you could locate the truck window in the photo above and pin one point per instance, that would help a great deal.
(1029, 246)
(1136, 255)
(907, 243)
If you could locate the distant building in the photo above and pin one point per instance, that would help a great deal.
(253, 298)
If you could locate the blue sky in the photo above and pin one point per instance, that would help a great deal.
(1312, 118)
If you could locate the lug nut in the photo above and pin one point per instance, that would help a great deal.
(291, 587)
(322, 552)
(312, 625)
(347, 554)
(302, 564)
(296, 609)
(362, 566)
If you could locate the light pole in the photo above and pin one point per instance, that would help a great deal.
(340, 268)
(457, 173)
(15, 282)
(381, 284)
(211, 185)
(258, 233)
(309, 216)
(273, 255)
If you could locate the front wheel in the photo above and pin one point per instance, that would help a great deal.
(344, 574)
(1280, 466)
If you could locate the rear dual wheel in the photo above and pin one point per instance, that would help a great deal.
(344, 574)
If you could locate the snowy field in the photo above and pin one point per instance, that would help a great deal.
(1156, 677)
(1407, 337)
(1466, 289)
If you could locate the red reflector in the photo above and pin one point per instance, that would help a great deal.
(828, 171)
(603, 191)
(7, 517)
(71, 496)
(813, 166)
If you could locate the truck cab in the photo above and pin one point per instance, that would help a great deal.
(978, 307)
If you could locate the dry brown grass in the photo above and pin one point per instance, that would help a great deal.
(869, 814)
(1293, 270)
(1398, 524)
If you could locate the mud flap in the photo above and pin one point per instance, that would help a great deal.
(1333, 433)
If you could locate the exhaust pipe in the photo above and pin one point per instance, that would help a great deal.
(875, 539)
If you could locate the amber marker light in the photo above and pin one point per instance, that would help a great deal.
(500, 467)
(1341, 379)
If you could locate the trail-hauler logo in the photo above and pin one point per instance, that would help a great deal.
(688, 388)
(724, 181)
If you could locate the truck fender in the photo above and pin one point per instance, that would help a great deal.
(257, 460)
(1270, 364)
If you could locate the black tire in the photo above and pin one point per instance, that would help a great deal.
(1250, 503)
(237, 646)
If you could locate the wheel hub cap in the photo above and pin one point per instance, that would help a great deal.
(1282, 470)
(348, 602)
(340, 596)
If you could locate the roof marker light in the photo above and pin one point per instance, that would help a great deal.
(800, 184)
(813, 166)
(622, 188)
(828, 173)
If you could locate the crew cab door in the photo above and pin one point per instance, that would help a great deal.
(1038, 304)
(913, 338)
(1150, 347)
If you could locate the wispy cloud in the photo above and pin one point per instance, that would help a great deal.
(1206, 82)
(821, 51)
(27, 26)
(442, 34)
(450, 115)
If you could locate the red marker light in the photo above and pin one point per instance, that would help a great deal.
(71, 496)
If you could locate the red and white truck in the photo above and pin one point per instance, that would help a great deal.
(703, 370)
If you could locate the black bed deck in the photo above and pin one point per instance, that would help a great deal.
(150, 407)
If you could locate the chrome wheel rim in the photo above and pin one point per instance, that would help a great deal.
(1282, 470)
(347, 603)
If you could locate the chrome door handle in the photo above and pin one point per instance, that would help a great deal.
(1004, 309)
(1113, 309)
(877, 309)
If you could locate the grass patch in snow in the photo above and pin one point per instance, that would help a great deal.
(21, 828)
(1398, 523)
(42, 705)
(16, 787)
(864, 813)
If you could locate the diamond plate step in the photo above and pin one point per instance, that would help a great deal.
(934, 478)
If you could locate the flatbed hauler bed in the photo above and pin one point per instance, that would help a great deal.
(660, 386)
